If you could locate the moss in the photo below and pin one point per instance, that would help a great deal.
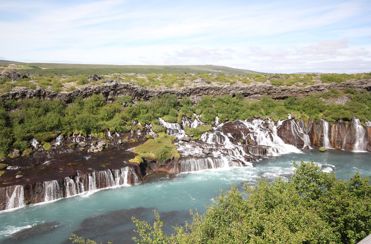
(136, 160)
(47, 146)
(27, 152)
(170, 118)
(2, 172)
(158, 128)
(196, 133)
(3, 166)
(322, 149)
(159, 149)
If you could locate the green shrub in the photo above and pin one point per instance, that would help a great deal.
(158, 149)
(312, 207)
(3, 166)
(196, 133)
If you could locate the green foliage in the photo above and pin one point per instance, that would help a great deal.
(22, 120)
(196, 133)
(3, 166)
(312, 207)
(159, 149)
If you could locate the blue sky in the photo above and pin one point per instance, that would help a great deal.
(270, 36)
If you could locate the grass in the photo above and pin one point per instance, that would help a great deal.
(159, 149)
(69, 77)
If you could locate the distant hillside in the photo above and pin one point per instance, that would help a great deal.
(63, 68)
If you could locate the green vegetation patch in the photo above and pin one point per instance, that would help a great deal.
(159, 149)
(22, 120)
(312, 207)
(196, 133)
(3, 166)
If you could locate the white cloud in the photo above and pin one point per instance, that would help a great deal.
(244, 35)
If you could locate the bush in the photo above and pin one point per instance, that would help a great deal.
(196, 133)
(312, 207)
(159, 149)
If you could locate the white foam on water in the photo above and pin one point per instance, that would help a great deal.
(10, 229)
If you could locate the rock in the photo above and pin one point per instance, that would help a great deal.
(98, 148)
(13, 75)
(15, 153)
(95, 77)
(322, 149)
(34, 230)
(186, 139)
(18, 176)
(112, 88)
(206, 151)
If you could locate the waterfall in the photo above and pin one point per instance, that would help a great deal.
(105, 179)
(14, 198)
(121, 176)
(301, 133)
(92, 182)
(266, 135)
(197, 164)
(70, 187)
(360, 142)
(52, 191)
(173, 129)
(326, 141)
(59, 140)
(79, 185)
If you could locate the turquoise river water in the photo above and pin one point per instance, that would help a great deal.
(106, 215)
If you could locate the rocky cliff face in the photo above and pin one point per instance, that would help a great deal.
(17, 196)
(114, 89)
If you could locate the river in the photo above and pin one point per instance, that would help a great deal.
(106, 215)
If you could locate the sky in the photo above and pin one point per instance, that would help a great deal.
(267, 36)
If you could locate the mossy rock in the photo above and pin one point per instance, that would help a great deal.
(136, 160)
(3, 166)
(27, 152)
(47, 146)
(159, 149)
(2, 172)
(322, 149)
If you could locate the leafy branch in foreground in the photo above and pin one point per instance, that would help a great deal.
(312, 207)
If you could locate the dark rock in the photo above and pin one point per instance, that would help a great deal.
(95, 77)
(35, 230)
(110, 89)
(13, 75)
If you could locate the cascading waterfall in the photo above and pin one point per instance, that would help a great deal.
(92, 182)
(70, 187)
(360, 141)
(301, 133)
(14, 197)
(173, 129)
(52, 191)
(105, 179)
(326, 140)
(267, 136)
(197, 164)
(79, 185)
